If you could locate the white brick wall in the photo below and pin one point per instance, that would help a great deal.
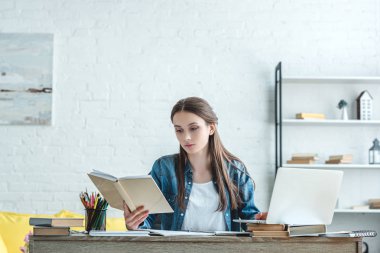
(119, 66)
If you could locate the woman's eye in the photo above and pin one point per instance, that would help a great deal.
(194, 128)
(179, 130)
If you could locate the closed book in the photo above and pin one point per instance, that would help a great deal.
(270, 233)
(340, 157)
(338, 161)
(304, 156)
(134, 190)
(51, 231)
(266, 227)
(300, 161)
(374, 201)
(374, 206)
(304, 115)
(56, 222)
(306, 230)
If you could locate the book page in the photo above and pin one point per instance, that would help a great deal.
(144, 191)
(103, 175)
(107, 188)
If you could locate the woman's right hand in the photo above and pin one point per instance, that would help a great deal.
(133, 219)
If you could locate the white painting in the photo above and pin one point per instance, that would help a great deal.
(26, 64)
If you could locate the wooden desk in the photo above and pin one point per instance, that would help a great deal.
(220, 244)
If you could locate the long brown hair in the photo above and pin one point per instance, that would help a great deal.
(218, 154)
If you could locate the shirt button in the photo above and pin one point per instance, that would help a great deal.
(189, 182)
(181, 214)
(186, 197)
(227, 214)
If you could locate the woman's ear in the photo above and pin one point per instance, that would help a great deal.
(212, 129)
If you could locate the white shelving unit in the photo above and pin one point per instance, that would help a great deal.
(330, 122)
(330, 80)
(333, 166)
(322, 94)
(374, 211)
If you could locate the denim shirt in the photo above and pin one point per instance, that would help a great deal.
(163, 172)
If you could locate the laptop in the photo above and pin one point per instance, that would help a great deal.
(304, 196)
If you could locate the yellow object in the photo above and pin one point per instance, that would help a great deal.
(3, 249)
(15, 226)
(303, 115)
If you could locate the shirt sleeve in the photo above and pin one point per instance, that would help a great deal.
(247, 209)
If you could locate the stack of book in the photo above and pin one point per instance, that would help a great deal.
(54, 226)
(339, 159)
(283, 230)
(303, 158)
(374, 203)
(303, 115)
(268, 230)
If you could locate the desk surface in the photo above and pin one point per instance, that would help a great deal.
(219, 244)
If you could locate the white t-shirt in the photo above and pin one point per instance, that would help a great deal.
(201, 213)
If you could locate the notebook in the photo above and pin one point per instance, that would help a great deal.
(304, 196)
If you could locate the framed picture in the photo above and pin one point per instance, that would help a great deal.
(26, 65)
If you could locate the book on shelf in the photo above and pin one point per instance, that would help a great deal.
(303, 158)
(306, 230)
(341, 157)
(343, 161)
(300, 161)
(306, 158)
(56, 222)
(374, 203)
(37, 230)
(304, 115)
(134, 190)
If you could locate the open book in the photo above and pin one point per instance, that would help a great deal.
(135, 191)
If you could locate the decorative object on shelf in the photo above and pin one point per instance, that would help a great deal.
(374, 153)
(364, 106)
(342, 105)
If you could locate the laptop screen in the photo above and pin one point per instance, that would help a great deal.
(304, 196)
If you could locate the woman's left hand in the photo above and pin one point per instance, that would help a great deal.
(261, 216)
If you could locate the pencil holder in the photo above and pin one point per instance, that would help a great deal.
(95, 219)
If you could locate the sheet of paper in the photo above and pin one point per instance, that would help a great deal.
(179, 233)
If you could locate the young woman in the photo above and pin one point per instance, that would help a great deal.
(205, 184)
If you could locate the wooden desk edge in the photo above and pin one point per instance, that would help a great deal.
(213, 239)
